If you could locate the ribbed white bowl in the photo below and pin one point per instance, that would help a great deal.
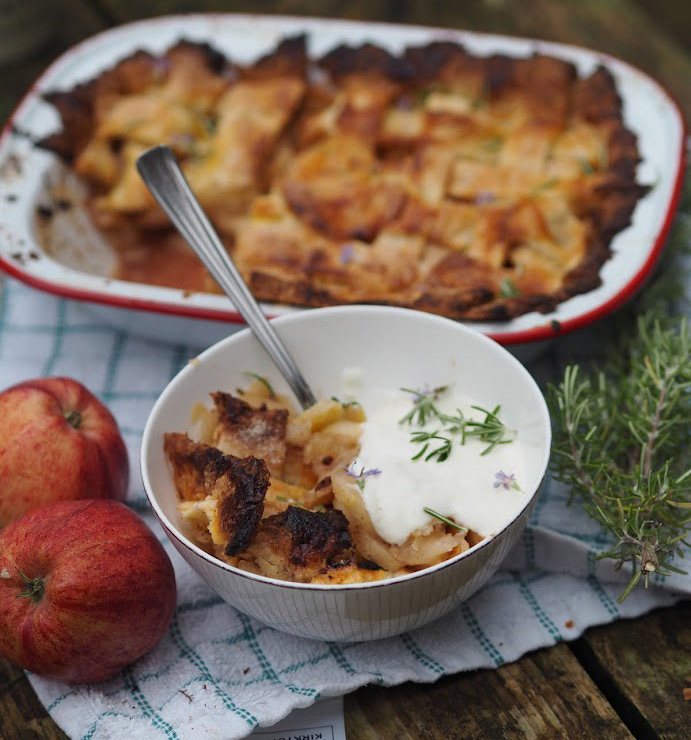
(393, 348)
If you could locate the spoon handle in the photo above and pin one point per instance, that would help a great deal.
(164, 178)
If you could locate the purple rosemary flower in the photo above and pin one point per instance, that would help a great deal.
(361, 477)
(363, 473)
(160, 67)
(502, 480)
(347, 254)
(483, 198)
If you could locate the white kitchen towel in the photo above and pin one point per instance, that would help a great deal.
(218, 673)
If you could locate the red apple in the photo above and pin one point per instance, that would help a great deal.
(57, 442)
(85, 590)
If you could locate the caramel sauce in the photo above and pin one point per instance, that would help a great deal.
(166, 262)
(74, 234)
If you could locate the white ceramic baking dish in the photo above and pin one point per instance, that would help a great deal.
(201, 319)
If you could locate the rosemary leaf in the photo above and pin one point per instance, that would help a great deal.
(508, 289)
(345, 404)
(441, 518)
(491, 429)
(264, 382)
(423, 406)
(441, 452)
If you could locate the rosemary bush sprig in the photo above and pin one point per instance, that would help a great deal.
(621, 432)
(622, 444)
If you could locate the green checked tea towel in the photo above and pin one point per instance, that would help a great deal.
(218, 673)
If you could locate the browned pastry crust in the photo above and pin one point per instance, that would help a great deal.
(238, 485)
(472, 187)
(297, 545)
(82, 107)
(243, 430)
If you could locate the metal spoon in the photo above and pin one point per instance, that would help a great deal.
(163, 176)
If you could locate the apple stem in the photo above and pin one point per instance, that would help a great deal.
(35, 587)
(74, 418)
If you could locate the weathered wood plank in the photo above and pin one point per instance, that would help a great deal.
(22, 716)
(544, 695)
(643, 667)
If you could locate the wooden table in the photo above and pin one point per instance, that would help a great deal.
(620, 681)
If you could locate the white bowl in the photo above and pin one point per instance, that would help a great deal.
(393, 348)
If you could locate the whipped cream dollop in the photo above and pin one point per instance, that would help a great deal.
(479, 491)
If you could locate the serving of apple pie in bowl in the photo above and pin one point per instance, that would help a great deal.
(376, 510)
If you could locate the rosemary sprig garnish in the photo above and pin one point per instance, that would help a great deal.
(210, 124)
(423, 405)
(441, 452)
(546, 185)
(345, 404)
(441, 518)
(622, 445)
(508, 289)
(491, 429)
(493, 144)
(586, 167)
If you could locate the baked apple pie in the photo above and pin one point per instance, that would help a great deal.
(472, 187)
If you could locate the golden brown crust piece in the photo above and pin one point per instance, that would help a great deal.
(83, 107)
(238, 485)
(474, 187)
(243, 430)
(297, 544)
